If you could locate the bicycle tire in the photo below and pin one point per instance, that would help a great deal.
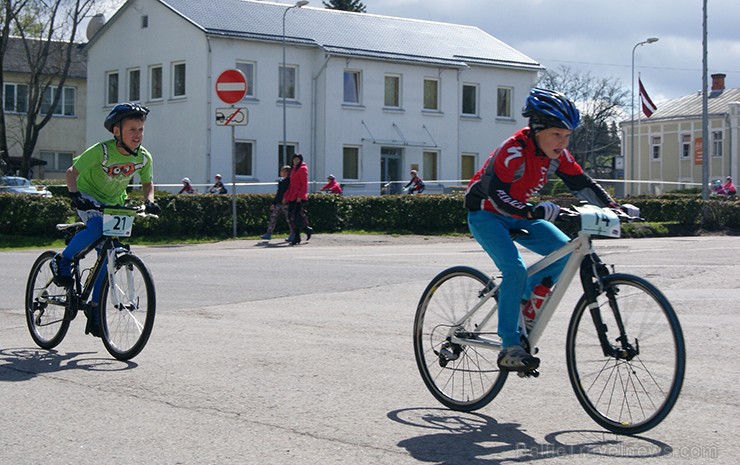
(126, 327)
(46, 304)
(472, 380)
(627, 396)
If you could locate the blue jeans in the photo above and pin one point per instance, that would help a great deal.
(492, 231)
(82, 240)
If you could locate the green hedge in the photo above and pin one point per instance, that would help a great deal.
(194, 216)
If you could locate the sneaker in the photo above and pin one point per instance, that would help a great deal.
(515, 358)
(266, 237)
(93, 321)
(62, 273)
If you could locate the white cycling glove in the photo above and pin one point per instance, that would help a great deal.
(631, 210)
(547, 211)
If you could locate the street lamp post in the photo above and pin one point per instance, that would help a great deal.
(650, 40)
(298, 4)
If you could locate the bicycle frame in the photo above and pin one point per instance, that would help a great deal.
(578, 249)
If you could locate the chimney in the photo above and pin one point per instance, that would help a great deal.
(718, 82)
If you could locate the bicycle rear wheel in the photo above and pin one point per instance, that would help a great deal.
(627, 394)
(462, 377)
(46, 304)
(127, 308)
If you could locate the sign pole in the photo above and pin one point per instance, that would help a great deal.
(233, 181)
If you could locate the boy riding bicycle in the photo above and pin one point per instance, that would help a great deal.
(99, 176)
(497, 203)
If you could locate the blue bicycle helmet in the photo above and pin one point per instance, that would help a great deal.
(550, 109)
(124, 110)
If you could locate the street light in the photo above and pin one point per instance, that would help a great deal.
(650, 40)
(298, 4)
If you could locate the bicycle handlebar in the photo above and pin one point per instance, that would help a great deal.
(570, 213)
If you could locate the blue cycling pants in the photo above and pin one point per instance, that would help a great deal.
(492, 231)
(81, 241)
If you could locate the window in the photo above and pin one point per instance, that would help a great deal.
(247, 68)
(65, 106)
(56, 161)
(155, 83)
(503, 102)
(431, 94)
(468, 166)
(392, 91)
(111, 94)
(351, 163)
(685, 145)
(290, 150)
(655, 150)
(15, 98)
(431, 169)
(716, 143)
(134, 82)
(289, 92)
(178, 80)
(352, 87)
(243, 153)
(470, 100)
(144, 21)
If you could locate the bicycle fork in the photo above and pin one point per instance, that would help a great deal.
(593, 272)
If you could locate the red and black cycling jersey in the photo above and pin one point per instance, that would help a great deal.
(517, 170)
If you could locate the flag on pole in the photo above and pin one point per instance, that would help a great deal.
(648, 107)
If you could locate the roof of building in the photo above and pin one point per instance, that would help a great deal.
(691, 105)
(353, 34)
(16, 60)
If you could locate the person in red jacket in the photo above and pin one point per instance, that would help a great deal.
(295, 198)
(331, 186)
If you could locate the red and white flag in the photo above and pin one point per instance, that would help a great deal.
(648, 107)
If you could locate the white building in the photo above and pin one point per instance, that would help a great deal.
(368, 97)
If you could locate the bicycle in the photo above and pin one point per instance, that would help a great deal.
(626, 359)
(127, 301)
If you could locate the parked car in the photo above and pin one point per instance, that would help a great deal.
(18, 185)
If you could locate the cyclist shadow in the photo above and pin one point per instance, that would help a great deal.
(472, 438)
(23, 364)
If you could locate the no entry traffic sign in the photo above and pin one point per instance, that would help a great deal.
(231, 86)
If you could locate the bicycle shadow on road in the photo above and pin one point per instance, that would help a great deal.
(472, 438)
(23, 364)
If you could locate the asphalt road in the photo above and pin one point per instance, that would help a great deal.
(270, 354)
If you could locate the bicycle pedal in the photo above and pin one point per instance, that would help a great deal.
(528, 373)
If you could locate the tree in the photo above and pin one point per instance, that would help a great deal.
(601, 101)
(45, 31)
(345, 5)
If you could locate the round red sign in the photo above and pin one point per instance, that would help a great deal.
(231, 86)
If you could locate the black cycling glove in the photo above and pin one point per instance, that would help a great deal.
(152, 208)
(81, 203)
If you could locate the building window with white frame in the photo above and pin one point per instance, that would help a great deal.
(351, 162)
(685, 146)
(247, 68)
(111, 89)
(134, 85)
(431, 94)
(66, 104)
(655, 148)
(431, 165)
(470, 100)
(178, 80)
(716, 143)
(503, 102)
(56, 161)
(290, 91)
(290, 150)
(244, 158)
(155, 83)
(392, 92)
(468, 166)
(15, 98)
(352, 87)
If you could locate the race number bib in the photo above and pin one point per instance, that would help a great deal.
(599, 221)
(118, 222)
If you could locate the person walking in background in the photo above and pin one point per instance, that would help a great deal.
(187, 187)
(295, 198)
(332, 186)
(218, 186)
(278, 208)
(416, 185)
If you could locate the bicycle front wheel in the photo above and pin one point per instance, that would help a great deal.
(462, 377)
(626, 391)
(46, 304)
(127, 308)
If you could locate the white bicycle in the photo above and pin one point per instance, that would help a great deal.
(625, 349)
